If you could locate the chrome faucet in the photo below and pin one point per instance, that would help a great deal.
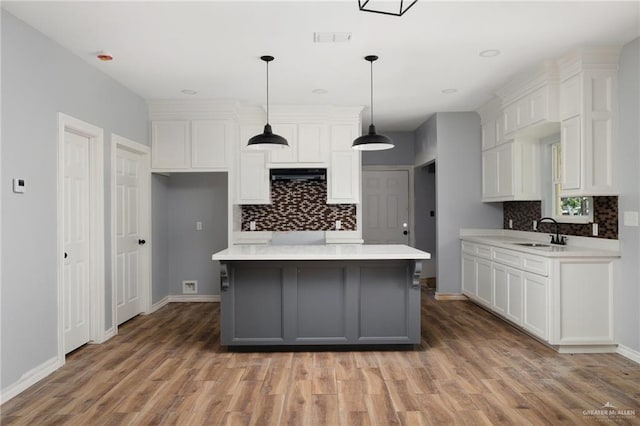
(555, 239)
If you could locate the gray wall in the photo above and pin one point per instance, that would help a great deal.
(196, 197)
(159, 237)
(402, 154)
(425, 142)
(425, 224)
(628, 294)
(458, 190)
(40, 79)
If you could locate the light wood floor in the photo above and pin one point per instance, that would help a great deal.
(471, 368)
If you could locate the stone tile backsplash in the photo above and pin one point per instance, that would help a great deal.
(605, 214)
(299, 206)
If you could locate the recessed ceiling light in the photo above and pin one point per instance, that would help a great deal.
(189, 92)
(489, 53)
(104, 56)
(320, 91)
(449, 91)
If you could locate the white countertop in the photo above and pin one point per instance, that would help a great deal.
(576, 246)
(321, 252)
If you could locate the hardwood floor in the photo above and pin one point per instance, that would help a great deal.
(471, 369)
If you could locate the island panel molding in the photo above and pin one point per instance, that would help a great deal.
(299, 206)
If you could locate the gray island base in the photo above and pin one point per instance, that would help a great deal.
(294, 295)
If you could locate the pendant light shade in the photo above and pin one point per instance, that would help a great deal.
(372, 141)
(267, 140)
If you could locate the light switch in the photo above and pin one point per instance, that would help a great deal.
(198, 226)
(18, 185)
(630, 219)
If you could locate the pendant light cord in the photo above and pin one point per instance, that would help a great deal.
(267, 91)
(371, 92)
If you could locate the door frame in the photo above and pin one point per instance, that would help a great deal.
(408, 169)
(95, 135)
(120, 142)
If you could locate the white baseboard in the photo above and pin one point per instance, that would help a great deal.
(159, 304)
(194, 298)
(108, 334)
(450, 296)
(627, 352)
(30, 378)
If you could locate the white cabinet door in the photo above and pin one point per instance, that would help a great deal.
(170, 145)
(489, 174)
(538, 110)
(343, 178)
(523, 113)
(510, 120)
(504, 187)
(312, 143)
(570, 97)
(342, 136)
(252, 177)
(469, 276)
(499, 130)
(483, 268)
(211, 144)
(514, 295)
(500, 279)
(489, 134)
(288, 131)
(571, 143)
(536, 307)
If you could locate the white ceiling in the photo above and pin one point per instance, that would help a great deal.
(161, 48)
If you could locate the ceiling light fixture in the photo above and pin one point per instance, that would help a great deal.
(104, 56)
(401, 9)
(372, 141)
(267, 139)
(489, 53)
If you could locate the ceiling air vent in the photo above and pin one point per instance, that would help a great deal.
(328, 37)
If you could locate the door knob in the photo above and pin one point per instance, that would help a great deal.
(65, 255)
(405, 232)
(141, 242)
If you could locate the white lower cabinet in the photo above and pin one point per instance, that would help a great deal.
(567, 302)
(536, 306)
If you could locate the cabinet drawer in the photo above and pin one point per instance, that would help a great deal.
(507, 257)
(468, 248)
(536, 264)
(483, 251)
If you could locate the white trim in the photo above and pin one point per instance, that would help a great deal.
(629, 353)
(193, 298)
(108, 334)
(96, 227)
(410, 170)
(119, 142)
(30, 378)
(159, 304)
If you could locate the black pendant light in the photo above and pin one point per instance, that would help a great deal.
(267, 139)
(372, 141)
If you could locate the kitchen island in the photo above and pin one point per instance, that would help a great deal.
(328, 294)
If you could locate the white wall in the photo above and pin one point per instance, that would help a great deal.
(628, 292)
(39, 80)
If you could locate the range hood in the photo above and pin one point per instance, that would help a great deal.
(299, 174)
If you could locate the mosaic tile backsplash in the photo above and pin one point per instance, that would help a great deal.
(605, 214)
(299, 206)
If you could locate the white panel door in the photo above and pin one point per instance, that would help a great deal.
(76, 241)
(385, 207)
(129, 240)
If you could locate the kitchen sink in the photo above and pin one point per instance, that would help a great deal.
(532, 244)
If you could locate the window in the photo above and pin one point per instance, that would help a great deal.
(566, 209)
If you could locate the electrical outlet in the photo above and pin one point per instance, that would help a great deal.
(510, 223)
(252, 225)
(189, 287)
(198, 226)
(594, 229)
(338, 224)
(535, 225)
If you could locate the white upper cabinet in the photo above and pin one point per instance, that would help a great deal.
(588, 100)
(510, 172)
(252, 174)
(308, 145)
(344, 174)
(170, 145)
(534, 114)
(184, 145)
